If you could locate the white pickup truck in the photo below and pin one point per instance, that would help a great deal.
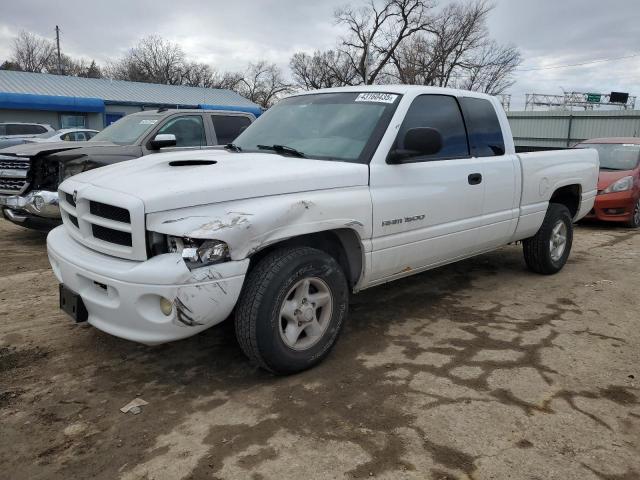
(329, 192)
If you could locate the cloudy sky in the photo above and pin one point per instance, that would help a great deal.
(227, 35)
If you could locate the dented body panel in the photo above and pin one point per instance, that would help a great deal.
(252, 224)
(122, 296)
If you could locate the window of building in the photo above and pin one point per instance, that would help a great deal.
(228, 127)
(72, 120)
(442, 113)
(485, 133)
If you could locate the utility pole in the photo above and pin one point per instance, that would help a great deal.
(58, 47)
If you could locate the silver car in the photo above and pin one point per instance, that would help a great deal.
(15, 133)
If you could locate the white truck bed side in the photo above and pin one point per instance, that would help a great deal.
(545, 172)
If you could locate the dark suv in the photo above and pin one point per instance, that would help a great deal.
(30, 173)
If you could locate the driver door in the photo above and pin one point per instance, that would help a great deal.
(426, 209)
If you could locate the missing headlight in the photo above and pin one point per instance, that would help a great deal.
(197, 252)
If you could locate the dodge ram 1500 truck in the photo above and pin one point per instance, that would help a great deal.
(30, 174)
(329, 192)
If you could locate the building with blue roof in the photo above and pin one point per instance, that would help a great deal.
(66, 102)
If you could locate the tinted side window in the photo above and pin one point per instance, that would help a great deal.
(18, 129)
(188, 129)
(228, 127)
(485, 134)
(442, 113)
(22, 129)
(3, 130)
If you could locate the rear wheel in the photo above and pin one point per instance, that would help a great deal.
(548, 251)
(291, 309)
(635, 219)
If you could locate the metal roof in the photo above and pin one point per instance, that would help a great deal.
(116, 91)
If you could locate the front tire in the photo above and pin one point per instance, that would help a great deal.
(635, 217)
(291, 309)
(548, 250)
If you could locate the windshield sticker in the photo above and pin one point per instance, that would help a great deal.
(376, 97)
(148, 122)
(630, 145)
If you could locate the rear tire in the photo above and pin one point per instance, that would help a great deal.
(291, 309)
(548, 250)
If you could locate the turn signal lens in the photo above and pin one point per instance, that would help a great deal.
(166, 306)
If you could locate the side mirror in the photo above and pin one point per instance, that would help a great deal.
(163, 140)
(417, 142)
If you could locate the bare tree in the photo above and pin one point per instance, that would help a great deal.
(322, 70)
(227, 80)
(376, 31)
(263, 83)
(32, 53)
(455, 50)
(491, 71)
(153, 60)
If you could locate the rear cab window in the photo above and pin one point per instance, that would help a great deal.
(483, 127)
(228, 127)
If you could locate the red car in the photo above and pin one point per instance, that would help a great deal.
(618, 197)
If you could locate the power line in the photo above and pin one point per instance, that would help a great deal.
(552, 67)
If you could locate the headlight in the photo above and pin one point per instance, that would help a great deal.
(625, 183)
(71, 168)
(198, 253)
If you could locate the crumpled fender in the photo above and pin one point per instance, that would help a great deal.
(252, 224)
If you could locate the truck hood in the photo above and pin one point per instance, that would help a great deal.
(39, 148)
(607, 177)
(175, 180)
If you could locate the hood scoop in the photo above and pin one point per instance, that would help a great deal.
(191, 163)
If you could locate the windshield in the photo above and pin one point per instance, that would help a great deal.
(126, 130)
(615, 156)
(331, 126)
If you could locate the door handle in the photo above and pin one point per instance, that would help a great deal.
(475, 178)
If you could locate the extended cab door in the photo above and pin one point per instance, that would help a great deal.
(426, 210)
(500, 165)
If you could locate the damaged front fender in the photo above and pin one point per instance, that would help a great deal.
(247, 226)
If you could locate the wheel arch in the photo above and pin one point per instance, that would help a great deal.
(569, 196)
(343, 244)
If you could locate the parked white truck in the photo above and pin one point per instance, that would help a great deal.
(329, 192)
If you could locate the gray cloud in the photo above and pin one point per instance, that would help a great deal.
(229, 34)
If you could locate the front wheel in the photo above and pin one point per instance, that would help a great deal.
(635, 218)
(291, 309)
(548, 250)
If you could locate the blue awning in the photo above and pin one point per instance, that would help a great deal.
(257, 111)
(26, 101)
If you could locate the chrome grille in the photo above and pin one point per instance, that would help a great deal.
(13, 175)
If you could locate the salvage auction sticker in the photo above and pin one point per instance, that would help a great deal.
(376, 97)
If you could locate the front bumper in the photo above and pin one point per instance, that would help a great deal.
(613, 207)
(38, 209)
(122, 297)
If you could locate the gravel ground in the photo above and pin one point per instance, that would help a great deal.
(478, 370)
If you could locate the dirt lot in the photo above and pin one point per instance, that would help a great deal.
(479, 370)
